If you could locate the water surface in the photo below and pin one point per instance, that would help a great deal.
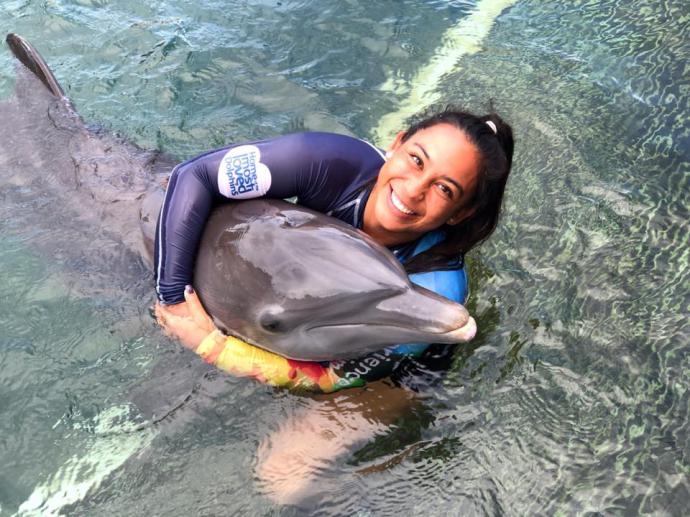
(574, 396)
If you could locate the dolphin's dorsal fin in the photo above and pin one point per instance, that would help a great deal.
(31, 59)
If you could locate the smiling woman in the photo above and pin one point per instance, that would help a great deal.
(436, 193)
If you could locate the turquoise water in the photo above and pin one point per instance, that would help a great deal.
(574, 397)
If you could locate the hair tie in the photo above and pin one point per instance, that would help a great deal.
(492, 126)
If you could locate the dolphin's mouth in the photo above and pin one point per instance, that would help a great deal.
(461, 334)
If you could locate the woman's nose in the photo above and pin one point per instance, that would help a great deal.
(415, 187)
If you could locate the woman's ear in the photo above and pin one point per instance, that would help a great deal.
(396, 142)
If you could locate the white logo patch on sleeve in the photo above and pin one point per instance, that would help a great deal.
(241, 174)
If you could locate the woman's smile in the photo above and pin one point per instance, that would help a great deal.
(399, 206)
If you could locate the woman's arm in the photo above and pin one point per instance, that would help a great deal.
(317, 168)
(295, 461)
(196, 331)
(195, 186)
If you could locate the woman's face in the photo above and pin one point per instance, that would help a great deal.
(425, 182)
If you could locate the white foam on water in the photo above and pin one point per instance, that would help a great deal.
(116, 438)
(464, 38)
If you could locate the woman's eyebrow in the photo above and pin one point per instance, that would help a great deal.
(423, 150)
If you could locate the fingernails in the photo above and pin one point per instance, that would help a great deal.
(188, 289)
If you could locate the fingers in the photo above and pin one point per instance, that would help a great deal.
(159, 312)
(196, 309)
(161, 318)
(168, 314)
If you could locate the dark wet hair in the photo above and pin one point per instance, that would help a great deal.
(496, 157)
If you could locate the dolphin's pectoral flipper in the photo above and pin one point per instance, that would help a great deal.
(31, 59)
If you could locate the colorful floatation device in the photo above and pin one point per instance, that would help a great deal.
(242, 359)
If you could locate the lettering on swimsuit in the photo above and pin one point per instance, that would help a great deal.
(359, 368)
(241, 174)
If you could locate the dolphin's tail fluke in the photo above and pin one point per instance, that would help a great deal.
(31, 59)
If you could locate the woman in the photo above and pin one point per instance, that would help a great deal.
(434, 195)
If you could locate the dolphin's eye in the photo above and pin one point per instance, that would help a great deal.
(271, 326)
(271, 322)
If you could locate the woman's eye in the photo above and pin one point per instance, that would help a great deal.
(446, 190)
(417, 160)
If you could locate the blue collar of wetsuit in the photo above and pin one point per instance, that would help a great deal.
(405, 252)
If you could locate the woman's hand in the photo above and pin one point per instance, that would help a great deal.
(187, 321)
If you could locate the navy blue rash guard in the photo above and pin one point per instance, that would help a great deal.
(326, 172)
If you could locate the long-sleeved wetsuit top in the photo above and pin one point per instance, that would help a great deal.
(326, 172)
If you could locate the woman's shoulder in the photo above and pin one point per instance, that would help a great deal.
(449, 283)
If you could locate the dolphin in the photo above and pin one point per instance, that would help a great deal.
(287, 279)
(79, 185)
(311, 287)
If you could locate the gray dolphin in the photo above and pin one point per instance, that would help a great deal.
(284, 278)
(48, 154)
(311, 287)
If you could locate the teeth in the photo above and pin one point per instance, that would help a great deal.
(399, 204)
